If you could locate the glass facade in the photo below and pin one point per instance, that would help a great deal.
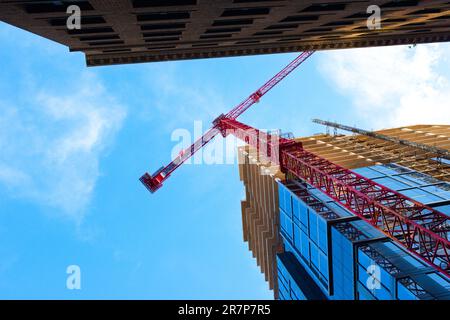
(345, 257)
(294, 282)
(416, 185)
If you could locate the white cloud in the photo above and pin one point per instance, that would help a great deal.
(393, 86)
(180, 98)
(12, 177)
(51, 144)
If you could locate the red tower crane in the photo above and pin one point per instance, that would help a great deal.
(154, 182)
(423, 231)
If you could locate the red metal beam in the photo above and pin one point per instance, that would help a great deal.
(154, 182)
(255, 96)
(422, 230)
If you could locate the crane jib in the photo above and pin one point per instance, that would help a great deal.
(421, 230)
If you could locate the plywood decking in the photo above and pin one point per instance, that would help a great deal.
(355, 151)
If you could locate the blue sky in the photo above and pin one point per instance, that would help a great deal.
(74, 141)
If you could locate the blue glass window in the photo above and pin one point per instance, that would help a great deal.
(286, 224)
(300, 213)
(384, 169)
(403, 293)
(313, 227)
(314, 256)
(391, 183)
(281, 191)
(323, 236)
(421, 196)
(368, 173)
(364, 294)
(444, 209)
(441, 190)
(440, 280)
(323, 268)
(305, 246)
(377, 288)
(446, 161)
(297, 238)
(410, 182)
(288, 202)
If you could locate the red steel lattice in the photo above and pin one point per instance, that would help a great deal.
(420, 229)
(154, 182)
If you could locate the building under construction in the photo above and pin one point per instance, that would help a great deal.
(311, 247)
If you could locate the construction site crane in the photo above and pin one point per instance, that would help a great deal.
(421, 230)
(443, 153)
(154, 182)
